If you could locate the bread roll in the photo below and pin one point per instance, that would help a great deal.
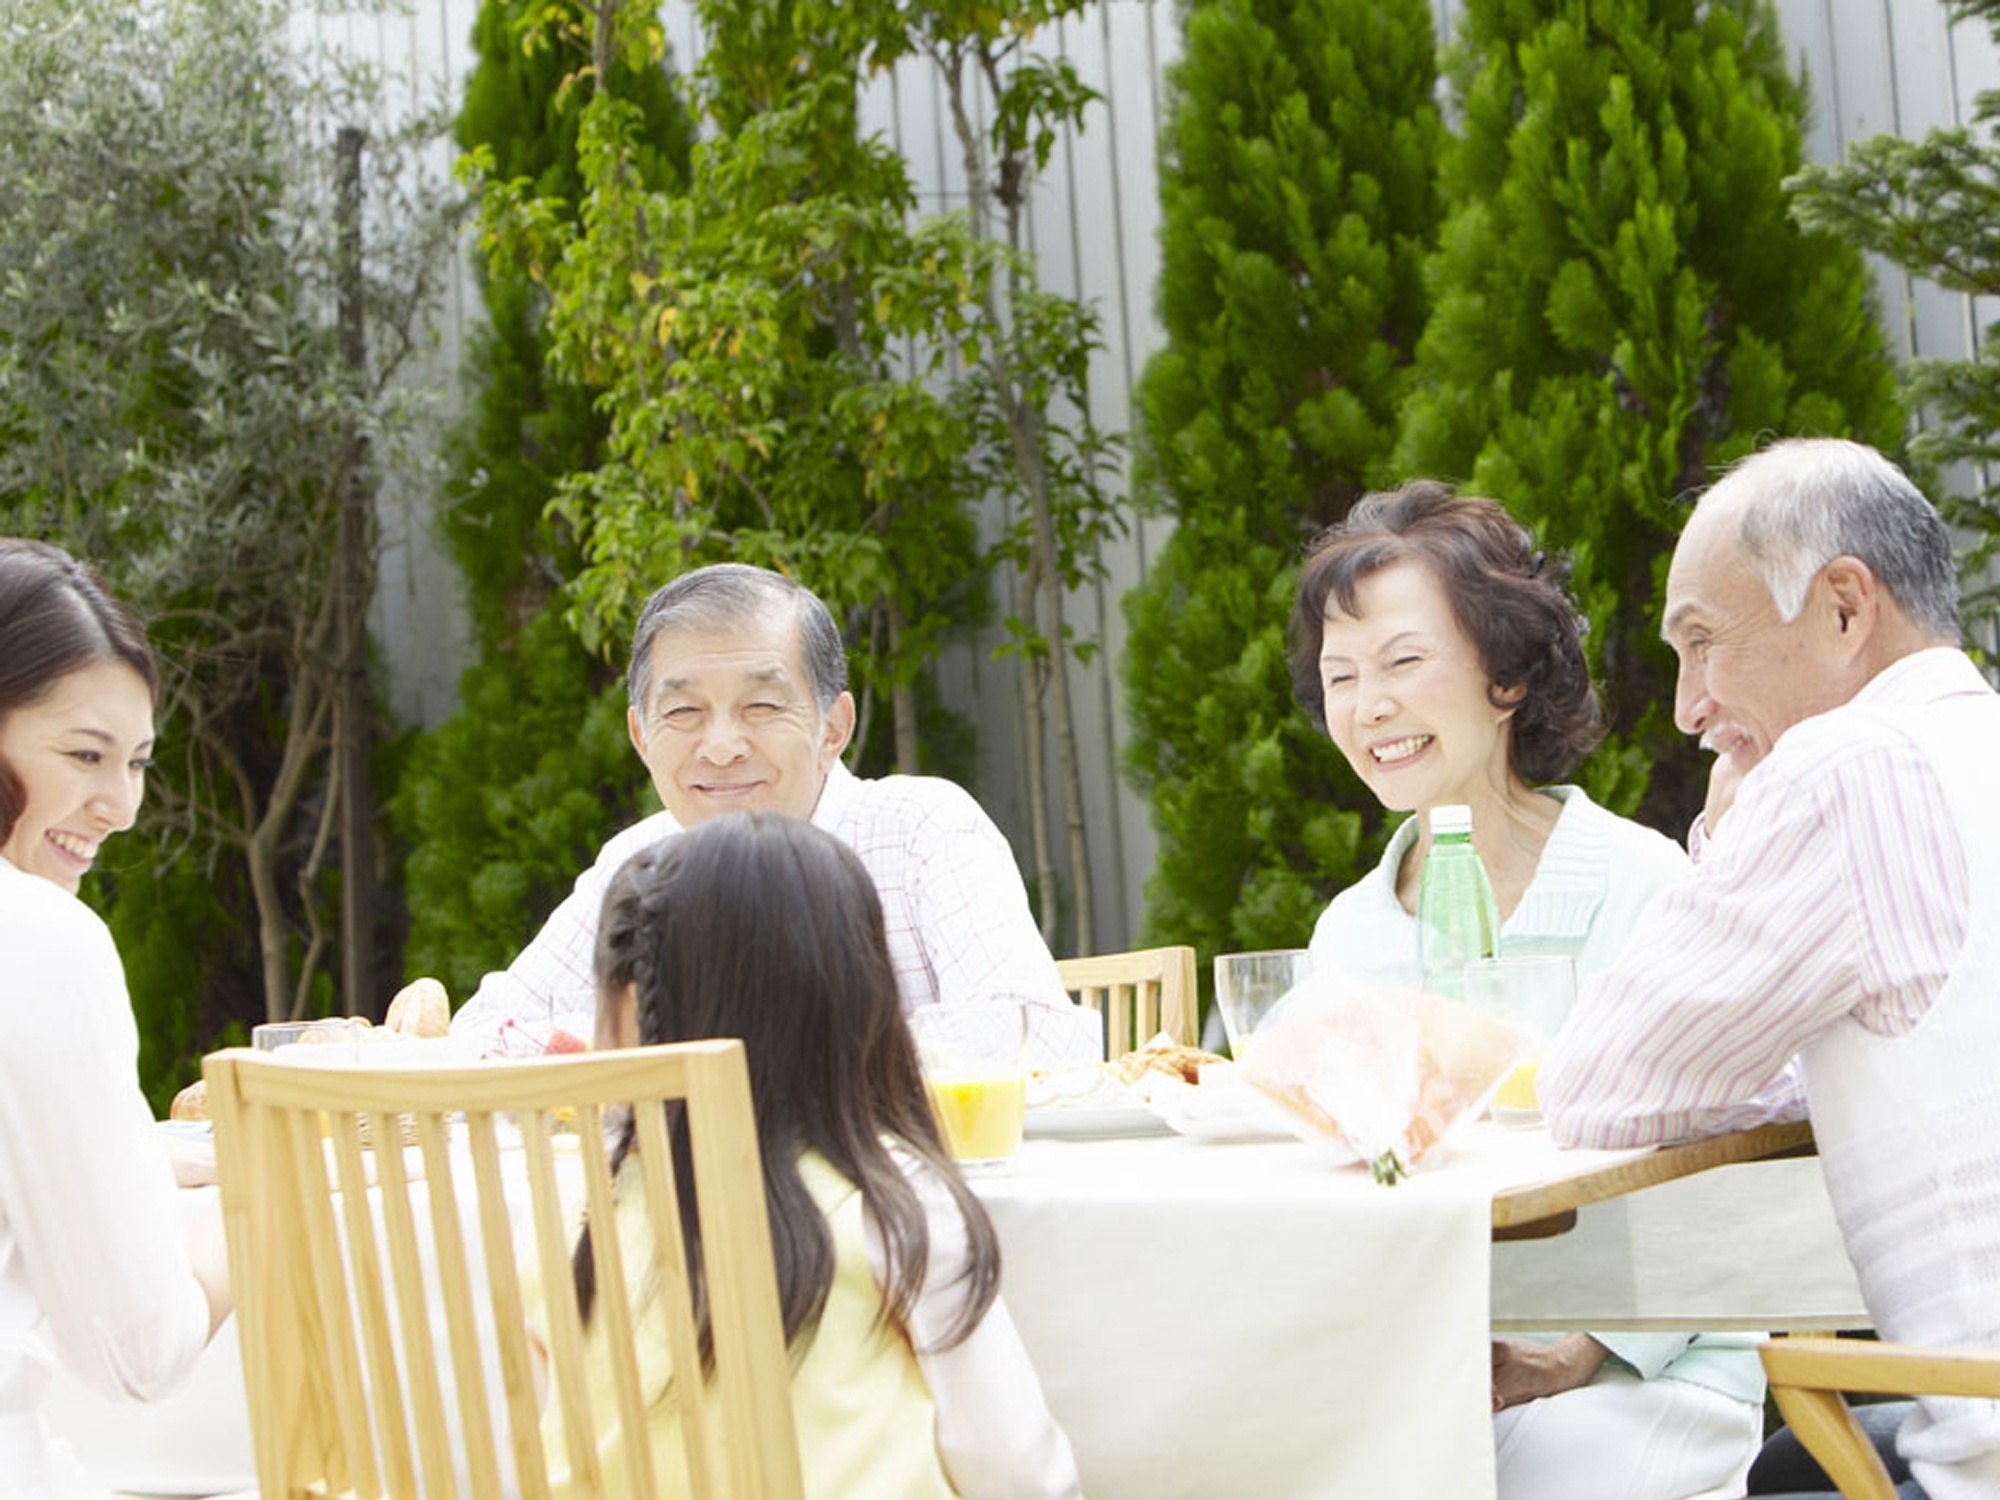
(191, 1103)
(421, 1008)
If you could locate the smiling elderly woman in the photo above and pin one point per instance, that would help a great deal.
(97, 1266)
(1445, 658)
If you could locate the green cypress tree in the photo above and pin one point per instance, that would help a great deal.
(1930, 206)
(1623, 306)
(505, 801)
(1297, 206)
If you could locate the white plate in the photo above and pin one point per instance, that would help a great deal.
(1094, 1124)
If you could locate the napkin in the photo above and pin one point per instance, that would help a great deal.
(1384, 1070)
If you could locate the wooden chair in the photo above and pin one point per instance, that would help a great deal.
(1139, 994)
(1808, 1376)
(382, 1295)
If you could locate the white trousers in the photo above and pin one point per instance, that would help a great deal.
(1623, 1438)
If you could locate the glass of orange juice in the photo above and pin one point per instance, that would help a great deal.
(1532, 993)
(975, 1061)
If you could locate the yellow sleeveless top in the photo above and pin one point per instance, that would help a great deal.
(866, 1423)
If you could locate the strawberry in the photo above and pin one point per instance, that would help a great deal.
(561, 1041)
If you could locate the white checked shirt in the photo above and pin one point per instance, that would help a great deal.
(956, 914)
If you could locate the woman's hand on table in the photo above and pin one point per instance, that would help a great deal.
(1526, 1369)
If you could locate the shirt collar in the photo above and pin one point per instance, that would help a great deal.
(1940, 671)
(835, 797)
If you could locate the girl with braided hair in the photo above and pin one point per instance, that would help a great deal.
(909, 1379)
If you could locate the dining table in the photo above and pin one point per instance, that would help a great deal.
(1257, 1317)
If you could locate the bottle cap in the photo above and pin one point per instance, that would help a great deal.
(1449, 818)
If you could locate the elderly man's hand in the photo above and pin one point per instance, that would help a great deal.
(1524, 1369)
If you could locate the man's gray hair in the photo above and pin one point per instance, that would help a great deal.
(1807, 501)
(726, 596)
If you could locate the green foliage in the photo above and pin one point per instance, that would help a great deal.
(797, 369)
(174, 406)
(1622, 306)
(526, 430)
(510, 797)
(1297, 205)
(170, 920)
(508, 800)
(745, 332)
(1930, 206)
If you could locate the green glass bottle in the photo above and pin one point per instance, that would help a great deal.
(1457, 918)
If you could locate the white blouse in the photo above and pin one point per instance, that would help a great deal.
(994, 1429)
(94, 1266)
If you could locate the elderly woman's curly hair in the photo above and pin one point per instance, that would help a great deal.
(1508, 598)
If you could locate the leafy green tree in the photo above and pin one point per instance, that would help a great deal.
(503, 803)
(176, 405)
(1930, 206)
(780, 345)
(1298, 203)
(508, 797)
(743, 331)
(1028, 360)
(526, 430)
(1622, 305)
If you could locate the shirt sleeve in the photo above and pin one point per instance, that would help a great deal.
(994, 1431)
(1836, 890)
(552, 983)
(1645, 1354)
(86, 1189)
(980, 938)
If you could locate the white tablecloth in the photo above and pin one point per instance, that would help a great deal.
(1239, 1319)
(1233, 1320)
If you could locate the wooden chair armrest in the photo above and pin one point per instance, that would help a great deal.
(1879, 1368)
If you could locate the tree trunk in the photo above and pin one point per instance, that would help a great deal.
(1031, 679)
(353, 724)
(902, 696)
(260, 853)
(1043, 575)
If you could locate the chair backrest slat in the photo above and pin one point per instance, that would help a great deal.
(668, 1235)
(393, 1348)
(1140, 994)
(371, 1307)
(614, 1308)
(564, 1326)
(454, 1286)
(412, 1309)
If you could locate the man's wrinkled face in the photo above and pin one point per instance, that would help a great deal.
(730, 723)
(1746, 676)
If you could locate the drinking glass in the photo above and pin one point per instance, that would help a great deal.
(1248, 987)
(975, 1061)
(332, 1040)
(1532, 994)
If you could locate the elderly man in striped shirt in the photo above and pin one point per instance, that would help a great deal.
(1823, 954)
(739, 703)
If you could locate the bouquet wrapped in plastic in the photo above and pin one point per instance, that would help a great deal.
(1383, 1070)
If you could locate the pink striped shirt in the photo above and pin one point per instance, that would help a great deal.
(1836, 887)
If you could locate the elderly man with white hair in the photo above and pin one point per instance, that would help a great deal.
(739, 703)
(1837, 932)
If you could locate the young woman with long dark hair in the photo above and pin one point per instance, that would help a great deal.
(98, 1264)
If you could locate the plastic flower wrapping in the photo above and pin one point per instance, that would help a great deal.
(1383, 1071)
